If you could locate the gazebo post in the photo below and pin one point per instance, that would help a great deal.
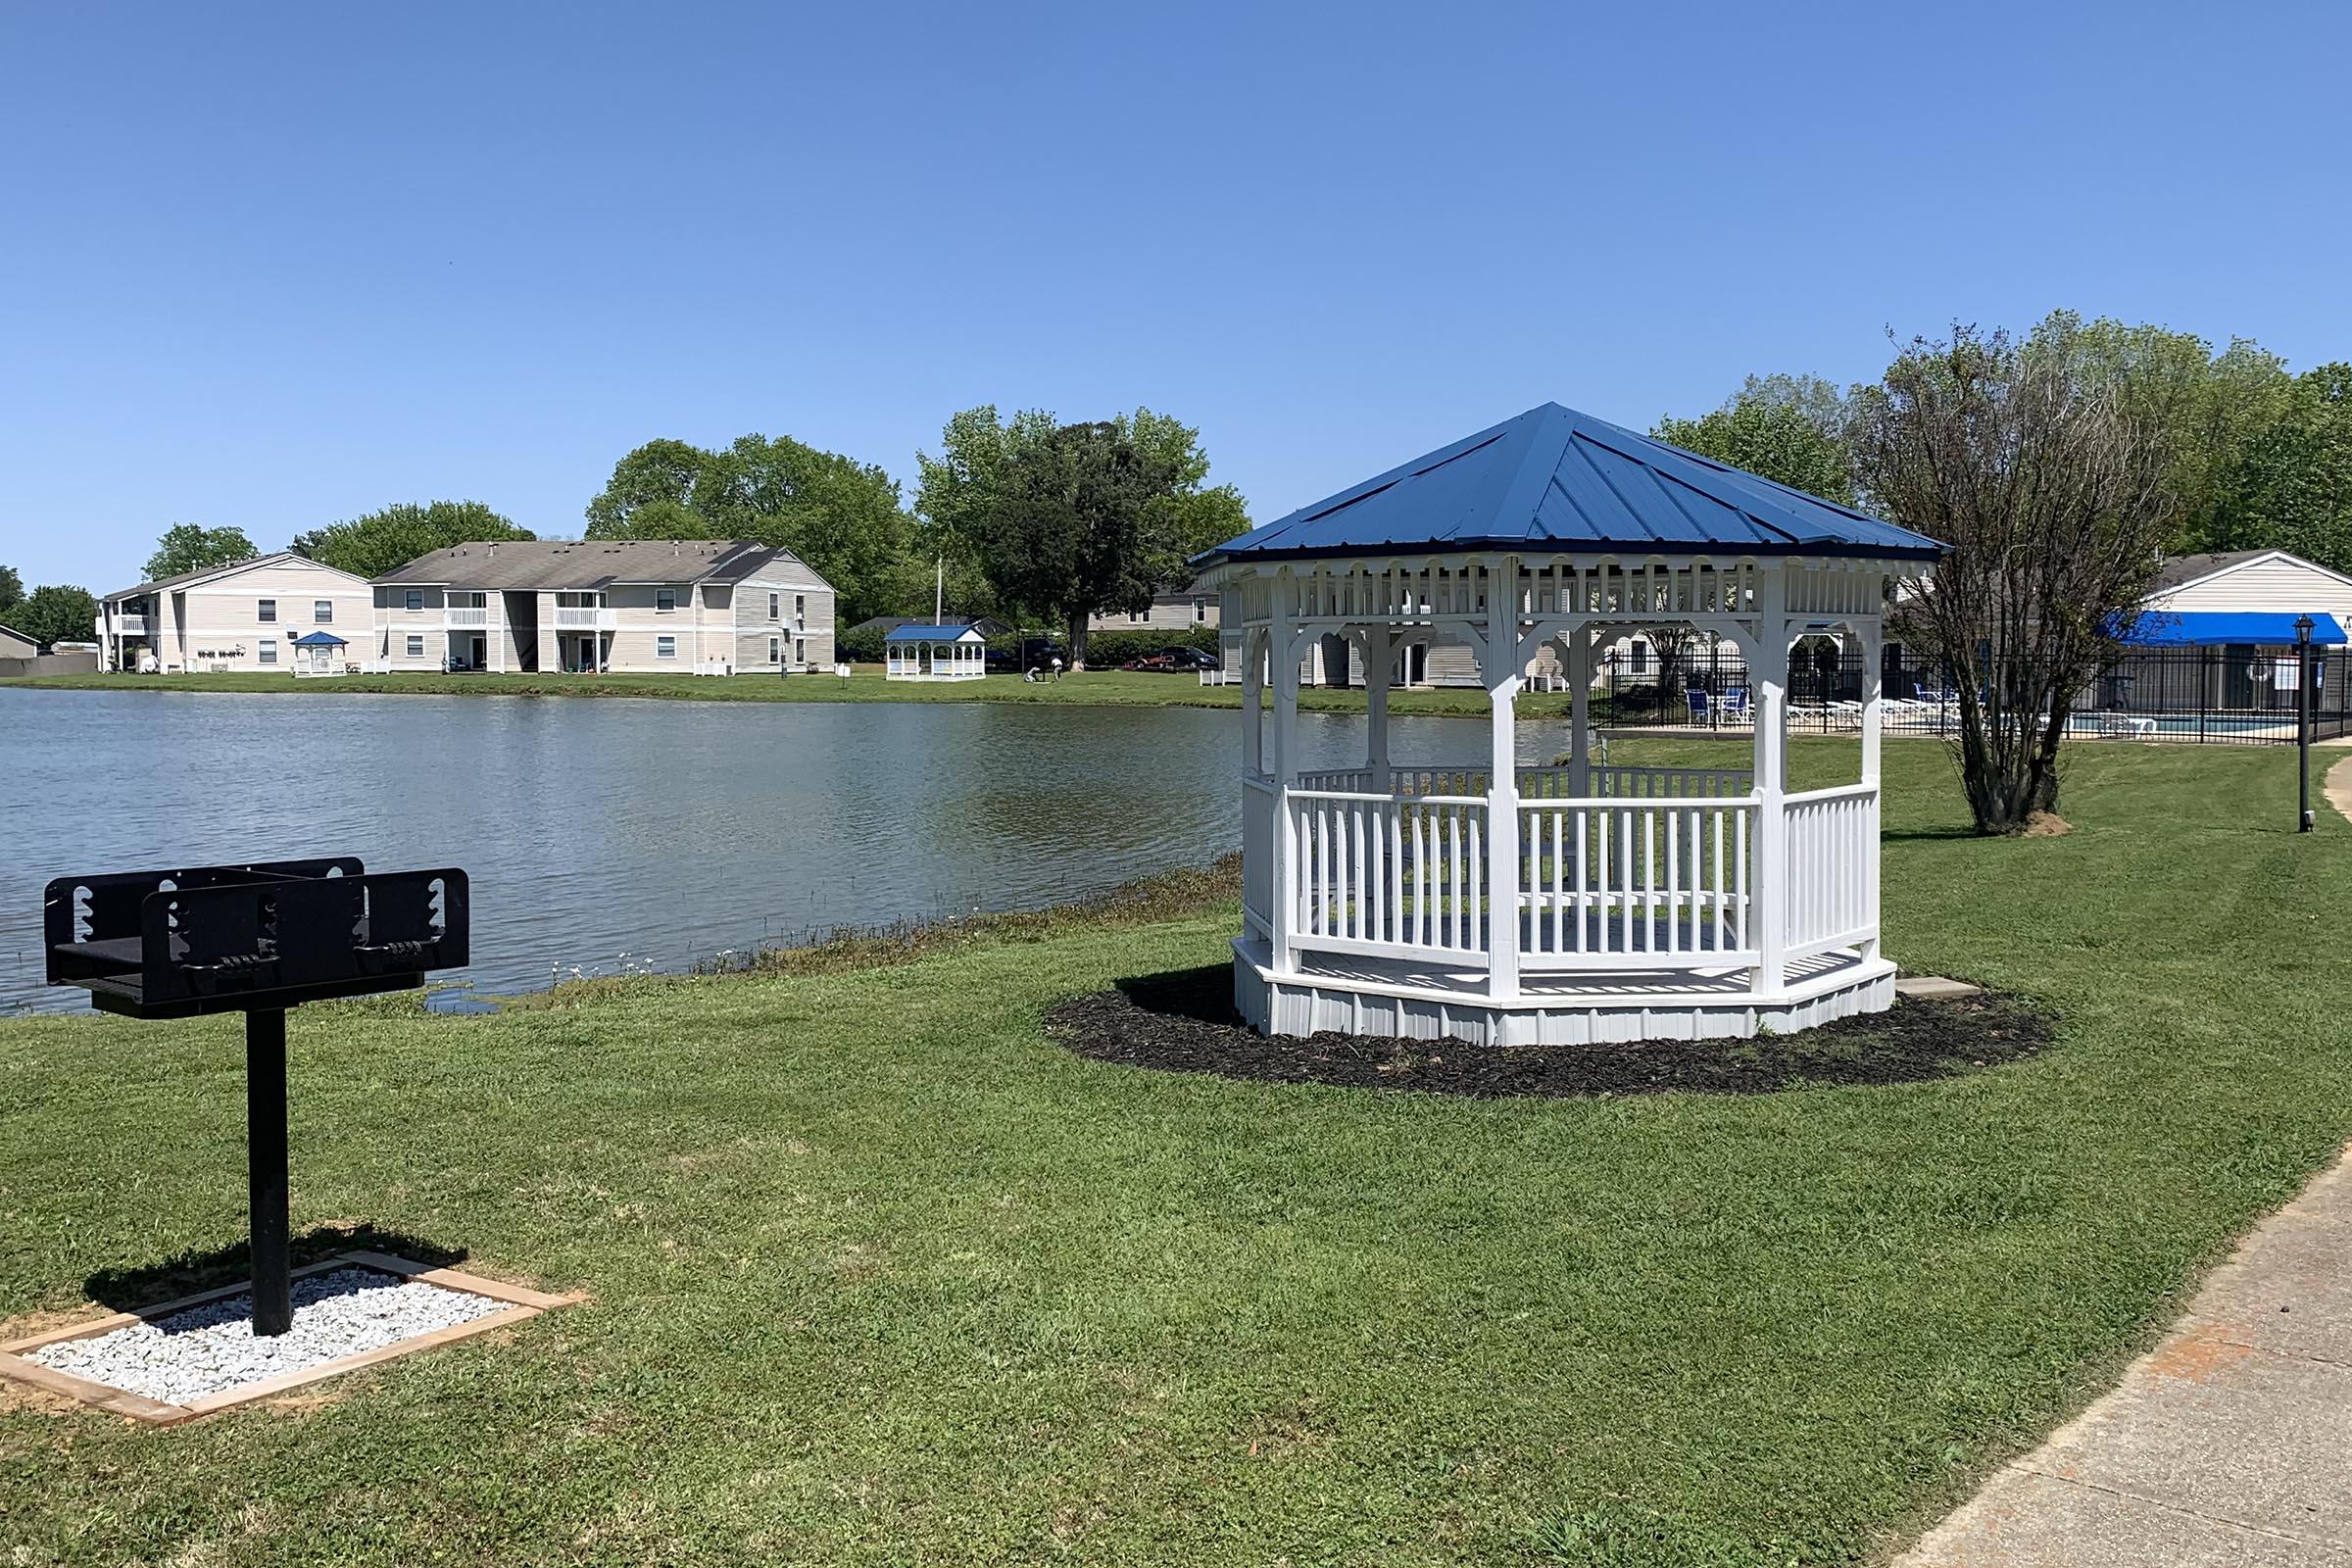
(1579, 647)
(1870, 634)
(1379, 644)
(1504, 676)
(1770, 674)
(1284, 653)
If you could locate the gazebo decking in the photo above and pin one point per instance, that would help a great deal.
(1579, 903)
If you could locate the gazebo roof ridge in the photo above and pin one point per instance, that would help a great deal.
(1554, 479)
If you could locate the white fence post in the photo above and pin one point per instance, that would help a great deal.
(1283, 766)
(1771, 674)
(1504, 676)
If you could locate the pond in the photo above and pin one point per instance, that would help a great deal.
(606, 835)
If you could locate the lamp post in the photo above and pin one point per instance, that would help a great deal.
(2303, 629)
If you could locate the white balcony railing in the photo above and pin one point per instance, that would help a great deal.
(466, 619)
(130, 625)
(587, 619)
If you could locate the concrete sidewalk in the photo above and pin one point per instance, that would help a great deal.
(2230, 1445)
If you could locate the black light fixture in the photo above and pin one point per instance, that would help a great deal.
(2303, 629)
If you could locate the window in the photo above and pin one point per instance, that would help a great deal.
(268, 650)
(415, 645)
(413, 599)
(665, 599)
(775, 644)
(799, 652)
(800, 612)
(774, 602)
(665, 648)
(1138, 617)
(1640, 658)
(322, 612)
(1199, 611)
(266, 611)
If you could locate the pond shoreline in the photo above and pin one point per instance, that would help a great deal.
(1088, 689)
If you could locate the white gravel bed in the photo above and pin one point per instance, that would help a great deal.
(211, 1348)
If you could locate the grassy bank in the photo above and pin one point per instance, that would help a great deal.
(880, 1275)
(1110, 687)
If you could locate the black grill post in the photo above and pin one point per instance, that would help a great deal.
(267, 1165)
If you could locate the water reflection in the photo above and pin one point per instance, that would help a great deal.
(662, 831)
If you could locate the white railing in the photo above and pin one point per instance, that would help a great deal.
(587, 619)
(1606, 883)
(1259, 795)
(1830, 869)
(1378, 874)
(1548, 783)
(461, 618)
(130, 625)
(1671, 783)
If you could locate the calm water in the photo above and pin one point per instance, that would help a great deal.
(609, 835)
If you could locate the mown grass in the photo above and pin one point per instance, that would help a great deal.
(879, 1276)
(1101, 688)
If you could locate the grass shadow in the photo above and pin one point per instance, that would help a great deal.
(1184, 1022)
(190, 1273)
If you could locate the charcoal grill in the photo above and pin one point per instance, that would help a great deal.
(256, 939)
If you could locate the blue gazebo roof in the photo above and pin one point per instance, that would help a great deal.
(944, 631)
(1556, 479)
(320, 639)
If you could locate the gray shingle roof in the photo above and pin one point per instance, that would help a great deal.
(523, 565)
(2177, 570)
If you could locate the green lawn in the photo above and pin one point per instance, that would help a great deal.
(1112, 687)
(881, 1277)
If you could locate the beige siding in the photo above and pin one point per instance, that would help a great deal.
(217, 623)
(2283, 584)
(802, 622)
(1178, 611)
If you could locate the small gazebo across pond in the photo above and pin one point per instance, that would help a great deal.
(935, 651)
(1571, 903)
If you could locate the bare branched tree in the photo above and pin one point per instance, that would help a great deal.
(2055, 502)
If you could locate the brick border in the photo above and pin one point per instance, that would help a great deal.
(523, 1303)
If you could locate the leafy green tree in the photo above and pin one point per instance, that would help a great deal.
(12, 589)
(2289, 487)
(1788, 428)
(1063, 521)
(370, 545)
(2206, 411)
(839, 515)
(185, 548)
(56, 613)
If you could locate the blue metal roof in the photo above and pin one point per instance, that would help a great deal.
(2221, 629)
(320, 639)
(946, 631)
(1556, 479)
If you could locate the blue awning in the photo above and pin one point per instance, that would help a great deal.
(947, 631)
(320, 639)
(2221, 628)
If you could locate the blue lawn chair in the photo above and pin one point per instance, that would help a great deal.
(1700, 713)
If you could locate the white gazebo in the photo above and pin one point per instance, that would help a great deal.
(1580, 902)
(936, 650)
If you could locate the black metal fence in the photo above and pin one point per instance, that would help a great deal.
(2232, 696)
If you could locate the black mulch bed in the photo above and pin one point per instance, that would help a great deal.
(1185, 1022)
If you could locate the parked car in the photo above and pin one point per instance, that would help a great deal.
(1176, 661)
(1035, 652)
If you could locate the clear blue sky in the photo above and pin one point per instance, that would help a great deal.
(278, 267)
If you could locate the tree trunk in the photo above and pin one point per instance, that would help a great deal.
(1077, 637)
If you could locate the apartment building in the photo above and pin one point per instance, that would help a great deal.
(234, 617)
(641, 605)
(1174, 608)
